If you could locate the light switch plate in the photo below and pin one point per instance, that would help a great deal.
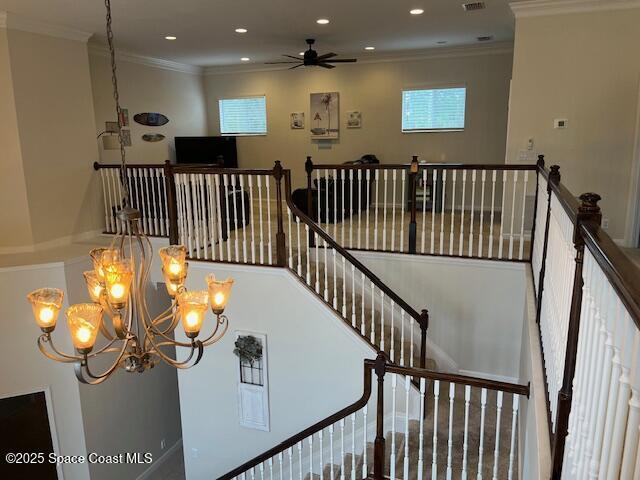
(560, 123)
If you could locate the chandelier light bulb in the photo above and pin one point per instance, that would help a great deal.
(219, 292)
(193, 307)
(46, 304)
(83, 320)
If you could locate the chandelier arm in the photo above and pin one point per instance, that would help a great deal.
(101, 377)
(157, 333)
(59, 356)
(195, 345)
(105, 331)
(211, 341)
(215, 328)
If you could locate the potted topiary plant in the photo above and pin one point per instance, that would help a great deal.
(248, 349)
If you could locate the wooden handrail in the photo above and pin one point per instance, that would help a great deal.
(345, 253)
(440, 166)
(322, 424)
(98, 166)
(218, 169)
(454, 378)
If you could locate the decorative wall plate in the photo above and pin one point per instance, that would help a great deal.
(151, 119)
(153, 137)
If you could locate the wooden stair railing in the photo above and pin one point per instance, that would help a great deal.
(471, 408)
(382, 299)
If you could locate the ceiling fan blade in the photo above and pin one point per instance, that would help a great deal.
(326, 65)
(343, 60)
(299, 57)
(327, 55)
(296, 66)
(276, 63)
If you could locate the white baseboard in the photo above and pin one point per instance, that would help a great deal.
(157, 463)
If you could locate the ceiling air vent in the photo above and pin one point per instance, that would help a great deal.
(486, 38)
(472, 6)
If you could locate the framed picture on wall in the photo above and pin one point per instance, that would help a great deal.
(297, 120)
(354, 119)
(325, 119)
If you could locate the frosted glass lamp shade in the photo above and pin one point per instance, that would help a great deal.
(84, 320)
(46, 304)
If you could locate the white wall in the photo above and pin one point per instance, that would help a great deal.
(374, 89)
(475, 306)
(315, 369)
(23, 369)
(145, 88)
(583, 67)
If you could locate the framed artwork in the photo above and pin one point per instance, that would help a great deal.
(124, 117)
(325, 119)
(354, 119)
(297, 120)
(126, 137)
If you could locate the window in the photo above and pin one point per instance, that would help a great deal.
(243, 116)
(433, 109)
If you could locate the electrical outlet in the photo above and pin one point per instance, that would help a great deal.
(163, 444)
(523, 156)
(605, 223)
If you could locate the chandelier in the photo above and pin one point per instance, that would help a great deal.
(117, 285)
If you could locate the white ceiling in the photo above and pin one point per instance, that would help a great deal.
(206, 37)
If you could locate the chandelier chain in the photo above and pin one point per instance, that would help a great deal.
(116, 97)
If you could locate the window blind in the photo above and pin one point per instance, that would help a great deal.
(243, 116)
(433, 109)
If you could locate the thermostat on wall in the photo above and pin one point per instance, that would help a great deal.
(560, 123)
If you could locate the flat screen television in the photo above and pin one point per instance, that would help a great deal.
(207, 150)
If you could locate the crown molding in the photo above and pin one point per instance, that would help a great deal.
(539, 8)
(497, 48)
(12, 21)
(124, 56)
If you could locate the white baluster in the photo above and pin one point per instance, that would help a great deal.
(407, 382)
(421, 431)
(393, 211)
(151, 219)
(342, 473)
(392, 461)
(219, 215)
(481, 226)
(402, 362)
(299, 253)
(496, 450)
(434, 192)
(633, 422)
(444, 187)
(332, 477)
(375, 217)
(225, 186)
(465, 443)
(364, 442)
(353, 446)
(244, 220)
(492, 214)
(462, 208)
(434, 458)
(212, 217)
(164, 199)
(384, 211)
(317, 263)
(158, 224)
(341, 176)
(326, 264)
(393, 329)
(368, 207)
(402, 209)
(308, 254)
(335, 282)
(290, 242)
(483, 407)
(260, 218)
(353, 296)
(359, 206)
(505, 174)
(473, 199)
(310, 440)
(373, 314)
(271, 468)
(351, 209)
(524, 202)
(513, 210)
(514, 419)
(190, 217)
(363, 329)
(452, 395)
(267, 182)
(453, 211)
(106, 192)
(344, 288)
(203, 213)
(300, 459)
(335, 205)
(382, 321)
(424, 208)
(280, 460)
(251, 220)
(321, 459)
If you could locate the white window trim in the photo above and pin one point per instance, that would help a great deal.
(266, 117)
(434, 86)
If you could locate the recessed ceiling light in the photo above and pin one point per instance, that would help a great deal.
(241, 30)
(322, 21)
(170, 37)
(369, 48)
(245, 59)
(416, 11)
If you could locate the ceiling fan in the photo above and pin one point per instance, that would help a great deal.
(312, 59)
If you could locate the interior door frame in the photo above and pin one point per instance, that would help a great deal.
(52, 422)
(632, 233)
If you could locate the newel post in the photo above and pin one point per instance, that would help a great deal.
(281, 254)
(589, 211)
(378, 446)
(540, 167)
(172, 206)
(413, 171)
(424, 325)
